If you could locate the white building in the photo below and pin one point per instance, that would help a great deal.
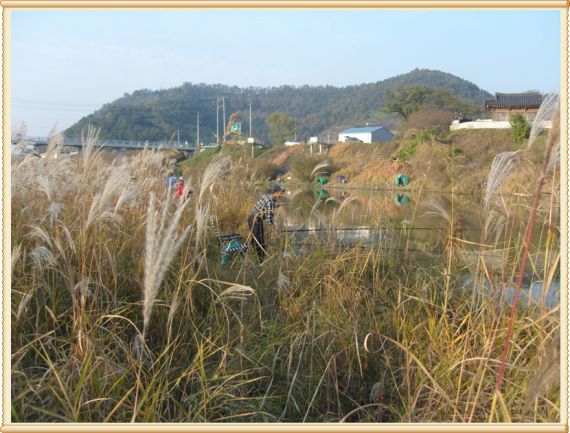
(367, 134)
(491, 124)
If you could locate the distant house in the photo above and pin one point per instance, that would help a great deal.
(506, 104)
(367, 134)
(292, 143)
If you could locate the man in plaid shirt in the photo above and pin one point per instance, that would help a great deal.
(264, 209)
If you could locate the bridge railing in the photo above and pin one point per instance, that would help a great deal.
(77, 142)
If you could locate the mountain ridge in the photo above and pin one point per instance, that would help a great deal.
(163, 114)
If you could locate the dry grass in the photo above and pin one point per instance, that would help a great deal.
(121, 311)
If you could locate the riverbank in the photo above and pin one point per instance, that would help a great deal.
(444, 161)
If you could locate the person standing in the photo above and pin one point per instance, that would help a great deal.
(263, 210)
(180, 187)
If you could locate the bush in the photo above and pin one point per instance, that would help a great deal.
(439, 120)
(265, 170)
(520, 128)
(302, 166)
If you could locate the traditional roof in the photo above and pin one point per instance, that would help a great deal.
(362, 130)
(514, 100)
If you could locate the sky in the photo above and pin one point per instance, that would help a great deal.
(66, 64)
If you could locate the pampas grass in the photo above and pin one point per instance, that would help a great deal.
(318, 168)
(549, 112)
(551, 145)
(212, 173)
(501, 167)
(163, 241)
(121, 310)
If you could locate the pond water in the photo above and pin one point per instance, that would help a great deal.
(418, 222)
(390, 217)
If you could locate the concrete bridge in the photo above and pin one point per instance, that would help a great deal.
(114, 144)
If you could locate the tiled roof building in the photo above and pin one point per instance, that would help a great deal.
(506, 104)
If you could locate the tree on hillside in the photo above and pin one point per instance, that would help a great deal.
(406, 100)
(281, 127)
(427, 118)
(442, 99)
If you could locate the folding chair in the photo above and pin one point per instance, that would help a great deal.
(232, 244)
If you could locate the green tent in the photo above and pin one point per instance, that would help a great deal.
(401, 180)
(321, 180)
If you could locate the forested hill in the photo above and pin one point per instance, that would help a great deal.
(157, 115)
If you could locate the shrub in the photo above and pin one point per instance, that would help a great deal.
(520, 128)
(302, 166)
(266, 170)
(439, 120)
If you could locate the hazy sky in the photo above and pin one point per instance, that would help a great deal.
(66, 64)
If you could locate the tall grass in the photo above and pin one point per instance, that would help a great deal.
(121, 310)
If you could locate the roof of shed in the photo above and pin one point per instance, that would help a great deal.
(361, 130)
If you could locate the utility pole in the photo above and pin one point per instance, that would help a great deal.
(296, 129)
(217, 121)
(178, 141)
(198, 131)
(250, 119)
(224, 117)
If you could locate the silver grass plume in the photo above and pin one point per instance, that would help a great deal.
(554, 140)
(42, 257)
(201, 218)
(37, 232)
(504, 162)
(54, 145)
(436, 209)
(44, 185)
(89, 138)
(502, 165)
(496, 221)
(545, 115)
(283, 283)
(320, 217)
(214, 170)
(344, 204)
(162, 243)
(236, 291)
(23, 305)
(117, 184)
(318, 168)
(15, 256)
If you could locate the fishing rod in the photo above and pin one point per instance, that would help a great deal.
(371, 228)
(378, 247)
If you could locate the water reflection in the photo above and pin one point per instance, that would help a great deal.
(401, 199)
(351, 216)
(415, 221)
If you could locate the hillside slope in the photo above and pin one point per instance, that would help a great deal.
(162, 114)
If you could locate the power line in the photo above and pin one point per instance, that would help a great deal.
(19, 101)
